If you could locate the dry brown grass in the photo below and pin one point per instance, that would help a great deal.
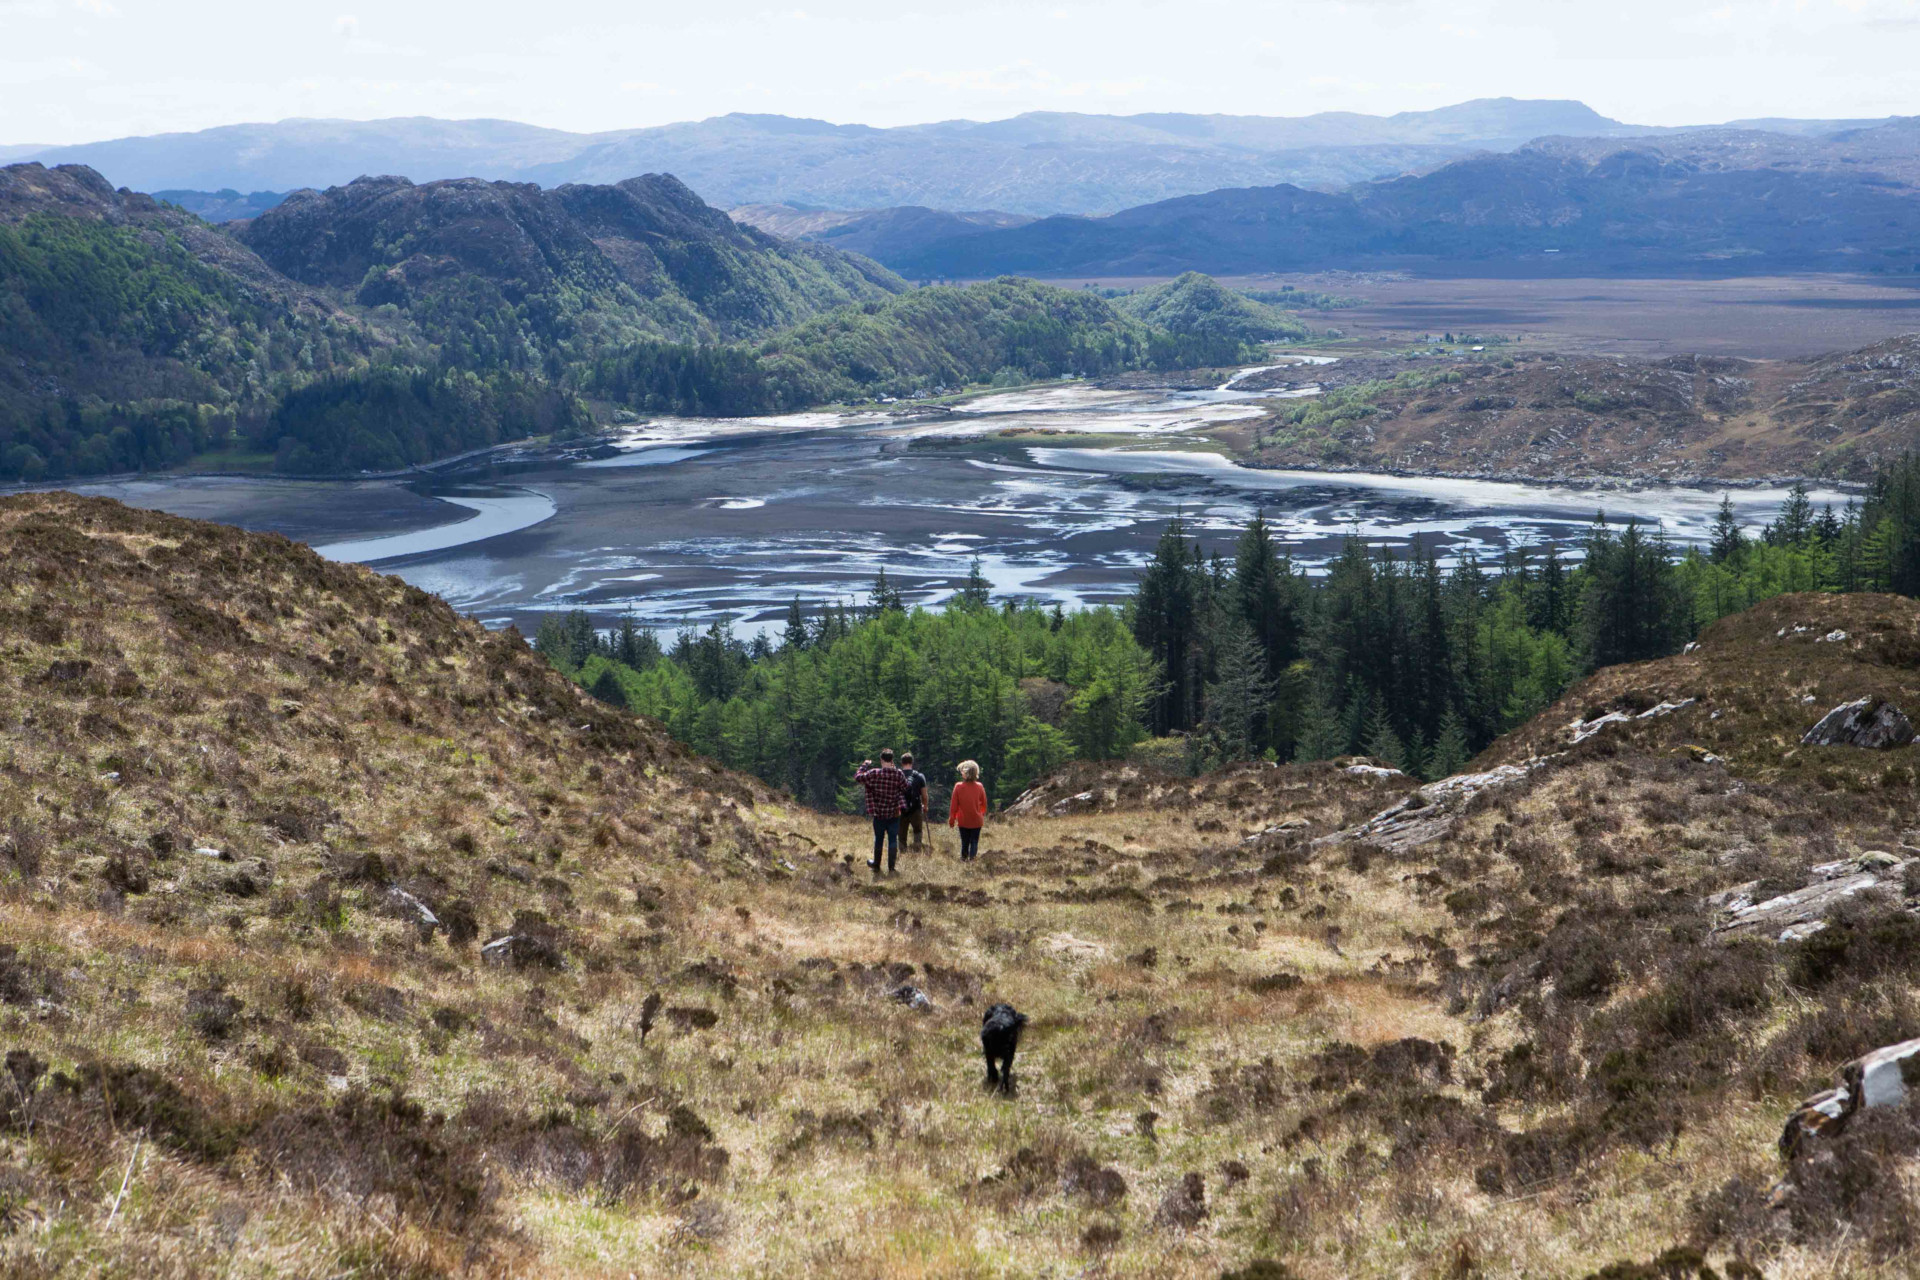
(1316, 1034)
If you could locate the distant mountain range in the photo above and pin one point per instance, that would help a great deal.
(1036, 164)
(223, 206)
(1717, 201)
(877, 233)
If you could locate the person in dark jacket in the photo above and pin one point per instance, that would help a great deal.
(886, 789)
(913, 814)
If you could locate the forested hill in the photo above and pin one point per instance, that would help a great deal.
(506, 272)
(1198, 304)
(925, 341)
(367, 327)
(384, 324)
(1730, 200)
(133, 335)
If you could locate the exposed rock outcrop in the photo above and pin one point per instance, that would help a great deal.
(1427, 814)
(1872, 723)
(1790, 917)
(1882, 1078)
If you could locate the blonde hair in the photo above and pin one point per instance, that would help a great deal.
(969, 771)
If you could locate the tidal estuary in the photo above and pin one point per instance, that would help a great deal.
(1060, 491)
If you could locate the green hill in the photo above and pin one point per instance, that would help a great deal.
(929, 340)
(365, 327)
(504, 273)
(1199, 305)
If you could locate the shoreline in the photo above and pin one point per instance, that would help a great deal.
(1698, 484)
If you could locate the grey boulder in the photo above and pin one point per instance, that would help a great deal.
(1873, 723)
(1879, 1079)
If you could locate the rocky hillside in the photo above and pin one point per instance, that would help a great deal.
(1548, 416)
(338, 935)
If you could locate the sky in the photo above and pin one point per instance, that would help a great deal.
(84, 70)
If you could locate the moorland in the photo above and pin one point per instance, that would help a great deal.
(262, 812)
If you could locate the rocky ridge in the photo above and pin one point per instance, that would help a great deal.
(1683, 419)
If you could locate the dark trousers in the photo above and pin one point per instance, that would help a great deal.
(969, 843)
(914, 823)
(886, 832)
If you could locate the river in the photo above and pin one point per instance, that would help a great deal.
(1060, 491)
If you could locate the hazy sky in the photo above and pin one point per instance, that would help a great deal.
(80, 70)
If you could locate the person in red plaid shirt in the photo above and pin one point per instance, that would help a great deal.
(886, 789)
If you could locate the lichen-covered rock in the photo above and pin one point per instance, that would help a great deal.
(1803, 912)
(1882, 1078)
(1872, 723)
(1429, 813)
(1792, 916)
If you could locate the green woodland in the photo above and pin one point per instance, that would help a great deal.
(1219, 658)
(145, 339)
(935, 339)
(162, 357)
(1198, 305)
(168, 358)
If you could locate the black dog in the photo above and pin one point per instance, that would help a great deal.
(999, 1037)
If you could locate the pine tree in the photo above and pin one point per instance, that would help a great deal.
(795, 636)
(1451, 751)
(550, 641)
(1418, 750)
(1632, 608)
(1321, 734)
(1554, 611)
(976, 592)
(1827, 527)
(1728, 540)
(1795, 521)
(1263, 592)
(608, 689)
(1237, 701)
(1355, 718)
(581, 638)
(1382, 743)
(1164, 622)
(886, 597)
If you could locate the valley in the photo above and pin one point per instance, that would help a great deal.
(1060, 491)
(960, 642)
(262, 811)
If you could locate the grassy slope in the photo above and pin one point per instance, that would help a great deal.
(303, 716)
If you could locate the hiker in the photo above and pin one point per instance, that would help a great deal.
(913, 813)
(886, 788)
(967, 809)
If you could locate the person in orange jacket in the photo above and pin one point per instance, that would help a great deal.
(967, 809)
